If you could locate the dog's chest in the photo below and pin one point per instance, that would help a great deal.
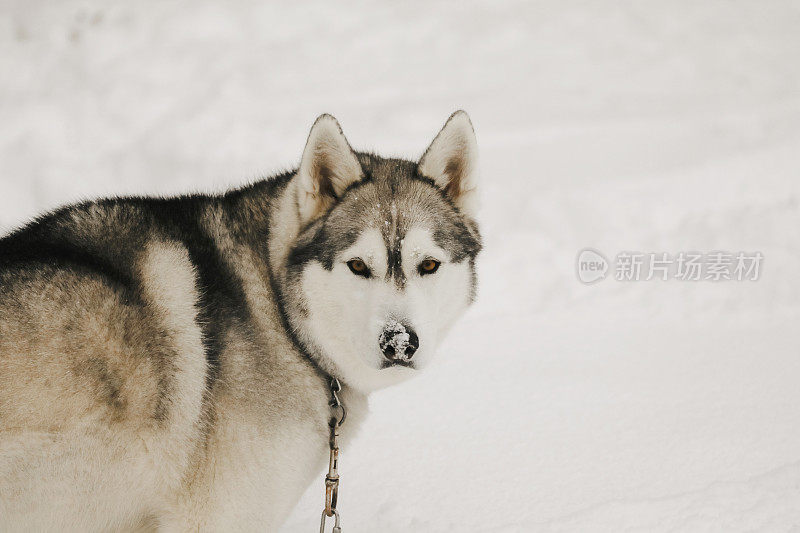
(262, 459)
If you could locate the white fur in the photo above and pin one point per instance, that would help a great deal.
(346, 313)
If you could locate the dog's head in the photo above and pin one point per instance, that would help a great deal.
(385, 261)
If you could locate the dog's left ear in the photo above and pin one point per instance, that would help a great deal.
(329, 166)
(451, 161)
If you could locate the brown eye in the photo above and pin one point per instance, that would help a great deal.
(358, 267)
(429, 266)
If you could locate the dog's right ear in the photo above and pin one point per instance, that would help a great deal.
(329, 166)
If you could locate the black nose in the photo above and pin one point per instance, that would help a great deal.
(398, 342)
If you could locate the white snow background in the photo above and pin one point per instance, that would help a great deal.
(553, 405)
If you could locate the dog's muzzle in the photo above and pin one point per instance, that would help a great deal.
(398, 342)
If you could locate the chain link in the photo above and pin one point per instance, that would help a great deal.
(337, 407)
(338, 415)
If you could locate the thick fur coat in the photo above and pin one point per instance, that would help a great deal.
(164, 363)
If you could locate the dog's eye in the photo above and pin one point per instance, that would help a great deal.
(358, 267)
(429, 266)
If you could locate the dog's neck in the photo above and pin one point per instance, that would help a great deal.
(284, 226)
(268, 210)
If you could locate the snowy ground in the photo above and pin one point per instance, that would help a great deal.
(554, 406)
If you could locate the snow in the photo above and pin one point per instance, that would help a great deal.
(395, 335)
(554, 405)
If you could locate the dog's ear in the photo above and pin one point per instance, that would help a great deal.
(328, 167)
(451, 161)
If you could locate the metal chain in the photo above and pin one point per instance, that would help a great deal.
(338, 414)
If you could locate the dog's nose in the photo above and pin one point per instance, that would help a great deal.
(398, 342)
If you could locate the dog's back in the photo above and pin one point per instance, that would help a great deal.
(102, 370)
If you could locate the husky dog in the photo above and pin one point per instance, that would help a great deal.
(165, 362)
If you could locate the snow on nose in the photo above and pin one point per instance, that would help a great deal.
(398, 342)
